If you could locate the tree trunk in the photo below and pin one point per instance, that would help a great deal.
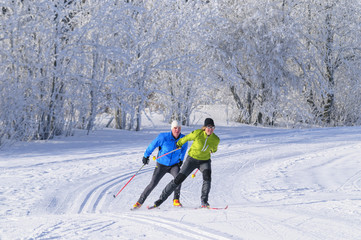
(329, 102)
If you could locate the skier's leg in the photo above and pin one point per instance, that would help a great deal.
(206, 170)
(174, 171)
(188, 167)
(158, 174)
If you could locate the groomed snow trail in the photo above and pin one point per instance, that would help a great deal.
(278, 183)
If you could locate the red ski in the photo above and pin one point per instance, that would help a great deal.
(215, 208)
(151, 207)
(210, 208)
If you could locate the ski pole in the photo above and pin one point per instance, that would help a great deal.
(128, 181)
(194, 174)
(155, 158)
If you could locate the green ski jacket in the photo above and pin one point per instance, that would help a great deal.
(202, 146)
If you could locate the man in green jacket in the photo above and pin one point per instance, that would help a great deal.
(204, 143)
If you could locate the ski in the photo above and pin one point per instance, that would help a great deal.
(200, 207)
(151, 207)
(213, 208)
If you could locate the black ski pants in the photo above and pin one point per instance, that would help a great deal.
(190, 164)
(159, 172)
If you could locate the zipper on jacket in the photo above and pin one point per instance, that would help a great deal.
(205, 147)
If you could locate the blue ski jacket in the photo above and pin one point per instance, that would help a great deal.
(166, 143)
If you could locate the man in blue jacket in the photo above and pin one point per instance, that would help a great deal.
(170, 163)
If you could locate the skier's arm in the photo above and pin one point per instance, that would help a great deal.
(215, 146)
(153, 145)
(183, 151)
(189, 137)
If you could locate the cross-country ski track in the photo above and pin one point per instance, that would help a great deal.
(278, 184)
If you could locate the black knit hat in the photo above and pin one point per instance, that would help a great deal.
(208, 121)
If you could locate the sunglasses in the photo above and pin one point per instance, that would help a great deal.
(211, 127)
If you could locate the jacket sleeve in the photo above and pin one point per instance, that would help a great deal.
(215, 147)
(189, 137)
(153, 145)
(183, 151)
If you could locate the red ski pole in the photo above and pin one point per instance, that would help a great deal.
(128, 181)
(155, 158)
(194, 174)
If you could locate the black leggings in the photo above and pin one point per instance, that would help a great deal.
(159, 172)
(190, 164)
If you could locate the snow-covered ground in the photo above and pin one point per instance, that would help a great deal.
(278, 184)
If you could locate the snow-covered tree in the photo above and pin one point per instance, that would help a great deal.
(331, 58)
(181, 82)
(63, 62)
(251, 56)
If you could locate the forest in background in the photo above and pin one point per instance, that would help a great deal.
(273, 62)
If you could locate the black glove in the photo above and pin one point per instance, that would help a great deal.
(145, 160)
(178, 146)
(180, 163)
